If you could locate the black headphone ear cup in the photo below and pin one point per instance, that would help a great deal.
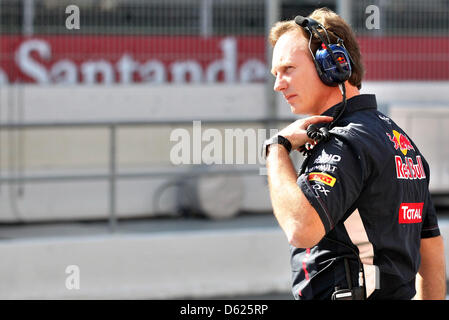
(324, 77)
(333, 72)
(347, 58)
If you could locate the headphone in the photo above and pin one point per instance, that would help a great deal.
(332, 61)
(333, 64)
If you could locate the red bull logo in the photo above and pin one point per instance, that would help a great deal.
(408, 169)
(400, 142)
(341, 60)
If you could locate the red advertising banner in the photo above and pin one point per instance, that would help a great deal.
(405, 58)
(128, 59)
(161, 59)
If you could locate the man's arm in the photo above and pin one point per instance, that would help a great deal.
(299, 220)
(296, 216)
(431, 277)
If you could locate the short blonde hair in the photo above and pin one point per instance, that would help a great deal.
(336, 27)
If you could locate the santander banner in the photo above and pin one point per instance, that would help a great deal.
(131, 59)
(65, 59)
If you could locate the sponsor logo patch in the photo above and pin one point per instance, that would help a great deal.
(324, 167)
(409, 170)
(320, 188)
(322, 177)
(384, 118)
(401, 142)
(327, 158)
(410, 212)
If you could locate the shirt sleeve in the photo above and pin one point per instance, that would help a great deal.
(333, 180)
(430, 222)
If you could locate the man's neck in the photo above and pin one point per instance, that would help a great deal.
(336, 96)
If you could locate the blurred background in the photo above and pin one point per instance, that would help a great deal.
(98, 200)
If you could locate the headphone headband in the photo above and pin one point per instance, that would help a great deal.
(312, 26)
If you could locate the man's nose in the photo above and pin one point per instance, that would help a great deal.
(280, 84)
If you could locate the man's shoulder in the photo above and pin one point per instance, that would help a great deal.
(363, 127)
(361, 136)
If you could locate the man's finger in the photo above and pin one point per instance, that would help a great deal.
(317, 119)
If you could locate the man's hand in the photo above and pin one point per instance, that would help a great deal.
(296, 132)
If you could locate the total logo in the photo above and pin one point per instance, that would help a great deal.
(410, 212)
(400, 142)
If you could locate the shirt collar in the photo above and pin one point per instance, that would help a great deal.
(356, 103)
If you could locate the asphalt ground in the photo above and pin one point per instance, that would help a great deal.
(153, 225)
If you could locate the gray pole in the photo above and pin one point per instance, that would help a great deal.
(28, 17)
(344, 10)
(112, 178)
(206, 18)
(272, 15)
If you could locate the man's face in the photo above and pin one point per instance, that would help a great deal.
(296, 76)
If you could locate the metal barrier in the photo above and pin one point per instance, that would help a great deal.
(113, 175)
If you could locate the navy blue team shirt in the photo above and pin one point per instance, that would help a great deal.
(370, 187)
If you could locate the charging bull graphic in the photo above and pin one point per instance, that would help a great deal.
(400, 142)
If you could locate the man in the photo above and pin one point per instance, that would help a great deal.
(359, 217)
